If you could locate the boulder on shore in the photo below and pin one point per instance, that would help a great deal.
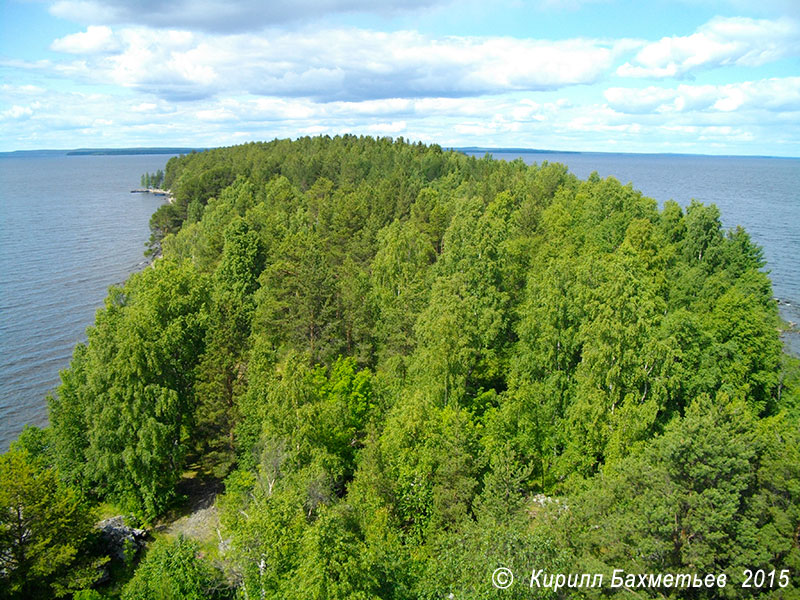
(119, 538)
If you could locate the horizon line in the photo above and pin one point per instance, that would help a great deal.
(487, 149)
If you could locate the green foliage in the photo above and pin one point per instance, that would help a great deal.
(399, 286)
(45, 532)
(120, 417)
(87, 595)
(415, 366)
(37, 443)
(175, 571)
(153, 180)
(704, 497)
(465, 331)
(462, 562)
(220, 374)
(424, 467)
(166, 220)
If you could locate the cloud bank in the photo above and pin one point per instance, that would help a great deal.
(333, 64)
(123, 84)
(721, 42)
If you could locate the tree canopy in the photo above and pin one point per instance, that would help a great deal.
(412, 367)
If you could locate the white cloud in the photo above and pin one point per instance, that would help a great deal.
(479, 91)
(144, 107)
(68, 119)
(652, 100)
(778, 94)
(16, 113)
(385, 106)
(96, 39)
(278, 109)
(218, 115)
(315, 130)
(722, 41)
(27, 89)
(638, 101)
(333, 64)
(393, 128)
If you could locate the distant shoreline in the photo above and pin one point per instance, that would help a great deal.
(101, 152)
(130, 151)
(476, 149)
(462, 149)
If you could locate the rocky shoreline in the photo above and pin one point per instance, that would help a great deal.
(155, 192)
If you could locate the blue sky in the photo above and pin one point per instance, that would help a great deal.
(697, 76)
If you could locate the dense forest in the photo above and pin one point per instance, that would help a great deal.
(407, 368)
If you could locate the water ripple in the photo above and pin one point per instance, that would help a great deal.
(64, 239)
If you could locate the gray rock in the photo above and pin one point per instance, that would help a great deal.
(121, 539)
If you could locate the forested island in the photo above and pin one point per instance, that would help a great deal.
(405, 368)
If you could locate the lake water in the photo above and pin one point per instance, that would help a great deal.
(70, 228)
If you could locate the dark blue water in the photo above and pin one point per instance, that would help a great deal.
(69, 228)
(760, 194)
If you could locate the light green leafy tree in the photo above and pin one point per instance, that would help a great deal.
(126, 407)
(174, 570)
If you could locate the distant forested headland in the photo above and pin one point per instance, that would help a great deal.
(130, 151)
(409, 368)
(100, 152)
